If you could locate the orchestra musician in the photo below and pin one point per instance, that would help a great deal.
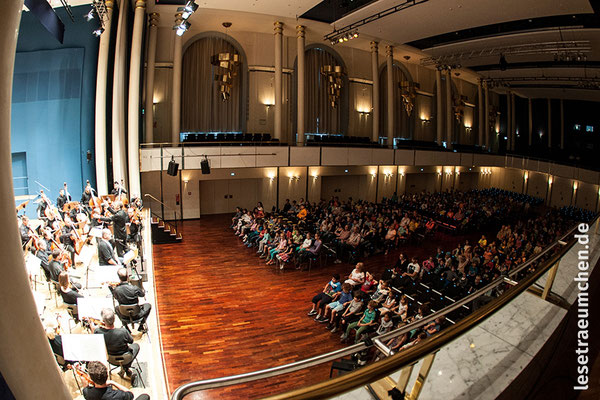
(68, 291)
(118, 340)
(106, 252)
(24, 230)
(119, 219)
(128, 294)
(118, 189)
(66, 238)
(63, 198)
(134, 226)
(103, 389)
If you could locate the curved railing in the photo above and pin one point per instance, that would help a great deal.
(385, 367)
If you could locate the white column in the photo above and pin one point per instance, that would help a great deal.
(487, 115)
(438, 104)
(530, 126)
(176, 95)
(149, 108)
(26, 360)
(119, 154)
(278, 79)
(301, 77)
(513, 122)
(133, 114)
(562, 125)
(549, 124)
(100, 115)
(389, 53)
(480, 112)
(508, 122)
(449, 110)
(375, 90)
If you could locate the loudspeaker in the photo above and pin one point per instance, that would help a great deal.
(173, 168)
(205, 167)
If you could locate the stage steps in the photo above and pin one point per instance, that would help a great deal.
(164, 231)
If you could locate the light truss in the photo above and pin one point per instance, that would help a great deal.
(353, 26)
(574, 48)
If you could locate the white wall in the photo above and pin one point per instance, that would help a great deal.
(309, 180)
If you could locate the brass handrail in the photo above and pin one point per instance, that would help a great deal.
(383, 368)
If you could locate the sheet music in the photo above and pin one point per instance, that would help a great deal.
(102, 274)
(91, 306)
(84, 347)
(33, 264)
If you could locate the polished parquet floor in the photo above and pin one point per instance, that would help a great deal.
(223, 311)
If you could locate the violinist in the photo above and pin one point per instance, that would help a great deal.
(55, 267)
(68, 291)
(66, 237)
(128, 294)
(24, 230)
(119, 220)
(118, 340)
(42, 254)
(104, 389)
(54, 338)
(134, 225)
(106, 252)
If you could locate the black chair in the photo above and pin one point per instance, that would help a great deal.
(125, 359)
(73, 312)
(127, 313)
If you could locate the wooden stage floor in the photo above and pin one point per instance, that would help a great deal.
(223, 311)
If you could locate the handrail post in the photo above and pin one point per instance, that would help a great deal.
(162, 206)
(550, 280)
(422, 377)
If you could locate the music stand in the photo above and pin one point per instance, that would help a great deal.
(103, 274)
(84, 347)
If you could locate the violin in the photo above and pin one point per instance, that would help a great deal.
(81, 372)
(64, 258)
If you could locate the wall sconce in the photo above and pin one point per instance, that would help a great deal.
(549, 181)
(346, 171)
(525, 176)
(401, 172)
(388, 174)
(315, 176)
(425, 121)
(439, 173)
(574, 186)
(294, 178)
(271, 177)
(468, 129)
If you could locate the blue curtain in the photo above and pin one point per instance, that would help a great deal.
(46, 118)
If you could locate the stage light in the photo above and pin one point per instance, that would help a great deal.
(98, 32)
(188, 10)
(89, 16)
(182, 28)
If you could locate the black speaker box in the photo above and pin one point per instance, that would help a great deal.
(173, 168)
(205, 167)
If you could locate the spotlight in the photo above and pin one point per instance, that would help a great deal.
(98, 32)
(89, 16)
(188, 10)
(345, 38)
(182, 28)
(355, 35)
(341, 39)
